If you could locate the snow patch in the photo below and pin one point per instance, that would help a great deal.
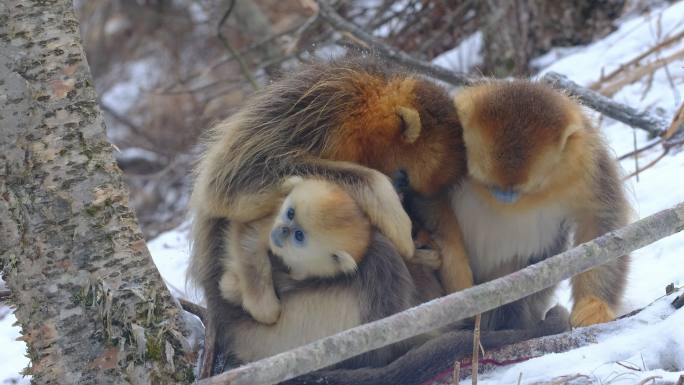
(464, 57)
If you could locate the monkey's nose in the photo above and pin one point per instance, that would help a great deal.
(504, 196)
(279, 235)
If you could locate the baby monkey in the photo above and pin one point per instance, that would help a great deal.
(318, 232)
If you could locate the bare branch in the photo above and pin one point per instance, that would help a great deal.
(193, 308)
(243, 66)
(653, 124)
(467, 303)
(476, 349)
(328, 13)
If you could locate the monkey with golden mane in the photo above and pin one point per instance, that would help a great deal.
(352, 122)
(538, 171)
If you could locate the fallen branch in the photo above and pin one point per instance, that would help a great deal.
(328, 13)
(653, 124)
(467, 303)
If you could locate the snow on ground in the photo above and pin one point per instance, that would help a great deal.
(12, 359)
(465, 56)
(648, 341)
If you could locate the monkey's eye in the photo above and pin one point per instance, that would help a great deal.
(299, 237)
(290, 213)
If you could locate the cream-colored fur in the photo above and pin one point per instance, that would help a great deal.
(330, 249)
(336, 310)
(495, 238)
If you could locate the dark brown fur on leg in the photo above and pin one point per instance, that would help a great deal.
(435, 356)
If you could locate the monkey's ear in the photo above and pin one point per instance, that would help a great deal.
(411, 125)
(345, 260)
(289, 183)
(570, 130)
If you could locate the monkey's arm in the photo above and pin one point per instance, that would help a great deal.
(371, 189)
(373, 192)
(597, 292)
(455, 271)
(435, 356)
(249, 261)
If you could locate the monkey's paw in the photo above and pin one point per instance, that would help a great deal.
(589, 311)
(428, 257)
(264, 309)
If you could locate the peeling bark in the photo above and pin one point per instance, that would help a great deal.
(92, 306)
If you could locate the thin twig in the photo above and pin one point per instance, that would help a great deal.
(243, 66)
(193, 308)
(665, 43)
(460, 305)
(520, 378)
(647, 379)
(640, 150)
(639, 72)
(649, 165)
(636, 158)
(456, 374)
(476, 349)
(329, 14)
(677, 123)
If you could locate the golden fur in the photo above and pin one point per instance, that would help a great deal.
(337, 234)
(353, 122)
(525, 138)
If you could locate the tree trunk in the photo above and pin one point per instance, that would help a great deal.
(92, 306)
(517, 31)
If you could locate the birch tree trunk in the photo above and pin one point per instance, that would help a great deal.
(92, 306)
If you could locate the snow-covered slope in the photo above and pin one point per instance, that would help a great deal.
(651, 343)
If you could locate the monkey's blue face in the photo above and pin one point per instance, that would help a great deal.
(504, 196)
(288, 230)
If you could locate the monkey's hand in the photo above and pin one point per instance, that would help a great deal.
(591, 310)
(385, 211)
(427, 257)
(427, 252)
(264, 308)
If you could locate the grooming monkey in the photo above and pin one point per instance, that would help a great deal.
(351, 121)
(537, 169)
(318, 232)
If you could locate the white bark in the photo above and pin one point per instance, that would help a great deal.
(92, 306)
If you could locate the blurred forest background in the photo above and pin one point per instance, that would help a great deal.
(167, 69)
